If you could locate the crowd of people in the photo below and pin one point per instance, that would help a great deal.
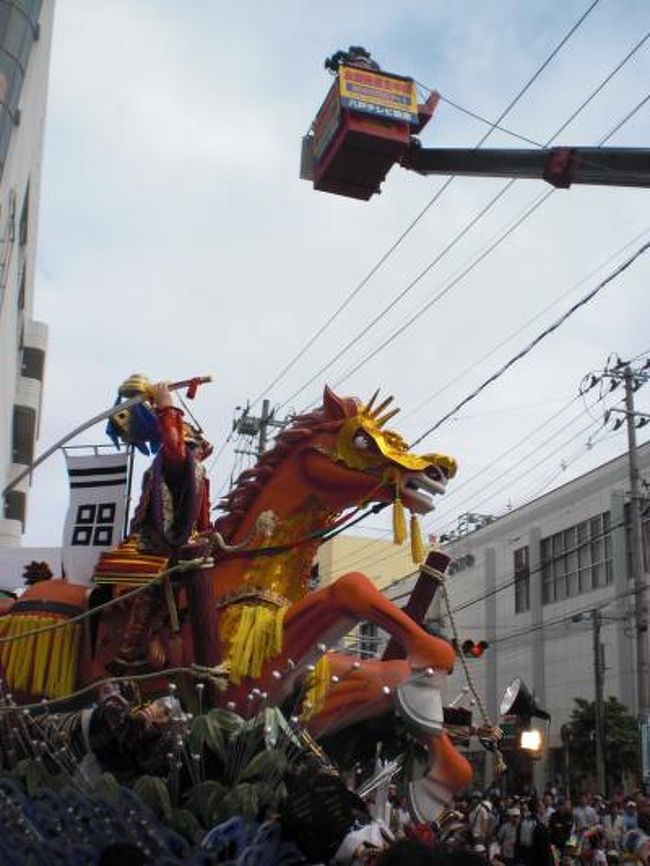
(498, 829)
(551, 830)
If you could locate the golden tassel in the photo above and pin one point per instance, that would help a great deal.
(62, 672)
(41, 659)
(69, 666)
(26, 649)
(417, 545)
(51, 685)
(8, 656)
(258, 637)
(40, 664)
(399, 522)
(317, 687)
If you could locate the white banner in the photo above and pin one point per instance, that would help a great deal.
(95, 516)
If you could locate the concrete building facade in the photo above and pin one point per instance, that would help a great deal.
(25, 40)
(526, 584)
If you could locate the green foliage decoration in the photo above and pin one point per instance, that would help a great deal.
(621, 739)
(152, 790)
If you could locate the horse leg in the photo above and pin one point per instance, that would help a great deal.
(448, 773)
(366, 689)
(325, 616)
(362, 690)
(328, 614)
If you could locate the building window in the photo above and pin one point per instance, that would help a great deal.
(23, 225)
(577, 560)
(15, 506)
(368, 640)
(21, 286)
(522, 579)
(24, 433)
(33, 363)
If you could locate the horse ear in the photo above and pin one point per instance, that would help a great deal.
(333, 405)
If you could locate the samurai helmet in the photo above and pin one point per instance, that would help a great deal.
(136, 384)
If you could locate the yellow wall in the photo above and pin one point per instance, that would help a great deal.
(377, 558)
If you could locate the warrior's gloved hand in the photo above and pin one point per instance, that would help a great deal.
(161, 395)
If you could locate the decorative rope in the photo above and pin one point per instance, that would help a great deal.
(198, 671)
(440, 577)
(264, 526)
(180, 567)
(186, 565)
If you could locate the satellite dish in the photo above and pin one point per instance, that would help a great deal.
(518, 700)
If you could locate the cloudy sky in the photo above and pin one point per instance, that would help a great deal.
(176, 238)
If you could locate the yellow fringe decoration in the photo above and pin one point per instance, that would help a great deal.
(317, 686)
(42, 664)
(258, 638)
(399, 522)
(417, 545)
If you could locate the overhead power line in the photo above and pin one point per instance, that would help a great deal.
(456, 239)
(538, 339)
(495, 125)
(441, 389)
(527, 213)
(525, 439)
(353, 559)
(382, 260)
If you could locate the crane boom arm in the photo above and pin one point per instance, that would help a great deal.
(560, 166)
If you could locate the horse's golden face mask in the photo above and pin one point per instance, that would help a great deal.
(364, 444)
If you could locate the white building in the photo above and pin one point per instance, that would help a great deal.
(25, 38)
(526, 584)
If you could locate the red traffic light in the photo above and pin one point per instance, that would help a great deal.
(475, 650)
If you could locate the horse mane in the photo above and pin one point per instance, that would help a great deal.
(328, 418)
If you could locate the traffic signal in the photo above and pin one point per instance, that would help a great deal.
(474, 650)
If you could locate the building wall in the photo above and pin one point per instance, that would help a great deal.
(25, 39)
(550, 644)
(378, 558)
(385, 564)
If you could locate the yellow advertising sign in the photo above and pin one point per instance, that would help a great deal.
(379, 94)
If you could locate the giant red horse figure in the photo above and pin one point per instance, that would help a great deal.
(253, 607)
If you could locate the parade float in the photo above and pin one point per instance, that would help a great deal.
(195, 660)
(176, 684)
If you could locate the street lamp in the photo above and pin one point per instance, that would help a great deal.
(531, 741)
(519, 701)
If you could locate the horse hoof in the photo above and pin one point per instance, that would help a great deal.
(419, 701)
(427, 798)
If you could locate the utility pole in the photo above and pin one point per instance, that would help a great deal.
(599, 678)
(599, 684)
(258, 427)
(639, 573)
(632, 379)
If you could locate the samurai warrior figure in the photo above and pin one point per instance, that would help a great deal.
(172, 515)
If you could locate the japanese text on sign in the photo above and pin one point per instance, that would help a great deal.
(381, 95)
